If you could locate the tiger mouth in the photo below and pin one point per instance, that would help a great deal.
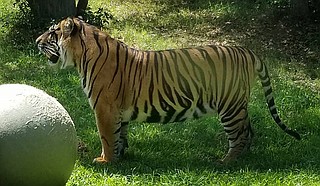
(53, 59)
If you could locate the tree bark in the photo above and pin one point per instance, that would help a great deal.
(52, 9)
(300, 8)
(81, 7)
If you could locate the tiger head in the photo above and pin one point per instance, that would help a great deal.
(57, 41)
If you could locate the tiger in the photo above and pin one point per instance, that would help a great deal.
(125, 84)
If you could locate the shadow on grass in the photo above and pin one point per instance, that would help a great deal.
(196, 146)
(262, 161)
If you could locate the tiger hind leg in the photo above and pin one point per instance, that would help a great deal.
(239, 134)
(123, 138)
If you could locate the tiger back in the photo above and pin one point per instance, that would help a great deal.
(174, 85)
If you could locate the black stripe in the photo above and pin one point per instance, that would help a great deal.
(165, 63)
(136, 70)
(265, 77)
(141, 65)
(147, 62)
(120, 87)
(184, 64)
(96, 37)
(167, 90)
(126, 59)
(232, 112)
(105, 139)
(195, 115)
(266, 83)
(267, 92)
(167, 108)
(205, 55)
(200, 102)
(151, 85)
(145, 110)
(134, 113)
(131, 64)
(212, 103)
(169, 67)
(229, 86)
(104, 62)
(135, 99)
(85, 72)
(97, 98)
(182, 81)
(253, 56)
(118, 130)
(184, 102)
(180, 115)
(84, 68)
(261, 69)
(154, 116)
(234, 102)
(156, 65)
(233, 123)
(117, 63)
(123, 124)
(213, 74)
(222, 58)
(246, 69)
(83, 48)
(140, 88)
(94, 79)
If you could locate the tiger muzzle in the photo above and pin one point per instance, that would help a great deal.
(53, 58)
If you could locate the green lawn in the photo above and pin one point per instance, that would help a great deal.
(186, 153)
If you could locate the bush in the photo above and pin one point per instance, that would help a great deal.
(24, 26)
(99, 18)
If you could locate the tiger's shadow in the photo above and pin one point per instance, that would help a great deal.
(198, 147)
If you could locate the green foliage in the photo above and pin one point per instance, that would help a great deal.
(24, 26)
(99, 18)
(20, 24)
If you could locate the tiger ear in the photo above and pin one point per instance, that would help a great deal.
(68, 27)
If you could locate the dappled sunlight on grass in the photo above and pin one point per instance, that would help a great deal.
(187, 153)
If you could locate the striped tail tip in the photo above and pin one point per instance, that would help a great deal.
(293, 133)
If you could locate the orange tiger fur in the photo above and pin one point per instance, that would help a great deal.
(124, 84)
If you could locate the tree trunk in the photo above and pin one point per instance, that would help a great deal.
(81, 7)
(300, 8)
(52, 9)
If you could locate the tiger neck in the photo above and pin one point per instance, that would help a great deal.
(107, 59)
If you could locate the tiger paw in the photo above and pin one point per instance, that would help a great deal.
(229, 158)
(100, 160)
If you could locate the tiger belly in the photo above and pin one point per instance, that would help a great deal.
(169, 115)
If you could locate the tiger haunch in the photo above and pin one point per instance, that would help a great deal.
(125, 84)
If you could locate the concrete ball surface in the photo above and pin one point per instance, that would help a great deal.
(38, 141)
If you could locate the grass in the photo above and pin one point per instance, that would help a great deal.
(185, 153)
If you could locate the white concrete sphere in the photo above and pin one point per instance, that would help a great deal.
(38, 141)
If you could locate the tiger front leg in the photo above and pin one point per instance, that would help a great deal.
(109, 129)
(239, 133)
